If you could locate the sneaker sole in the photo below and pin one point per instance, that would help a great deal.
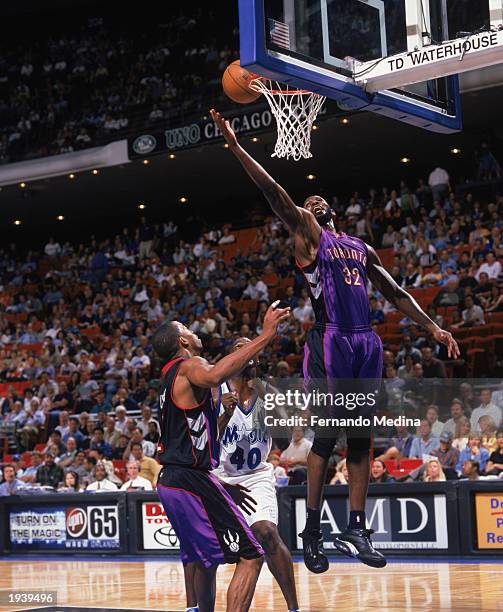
(350, 550)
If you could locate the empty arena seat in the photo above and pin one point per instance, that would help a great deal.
(477, 362)
(408, 465)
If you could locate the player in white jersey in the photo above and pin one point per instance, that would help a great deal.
(245, 445)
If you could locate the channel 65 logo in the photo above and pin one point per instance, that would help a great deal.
(92, 522)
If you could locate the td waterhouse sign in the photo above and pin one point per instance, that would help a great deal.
(417, 521)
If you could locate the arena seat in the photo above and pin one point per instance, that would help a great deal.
(410, 464)
(477, 362)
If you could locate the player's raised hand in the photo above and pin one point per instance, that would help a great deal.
(445, 337)
(225, 127)
(273, 317)
(229, 402)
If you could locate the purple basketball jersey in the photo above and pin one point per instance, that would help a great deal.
(337, 281)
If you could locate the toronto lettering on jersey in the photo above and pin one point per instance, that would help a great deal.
(336, 252)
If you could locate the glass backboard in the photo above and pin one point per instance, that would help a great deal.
(310, 44)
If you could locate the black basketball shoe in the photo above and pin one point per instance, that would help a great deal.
(356, 543)
(314, 557)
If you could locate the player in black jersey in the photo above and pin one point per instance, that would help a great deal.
(202, 509)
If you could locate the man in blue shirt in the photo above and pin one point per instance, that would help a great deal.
(424, 443)
(11, 484)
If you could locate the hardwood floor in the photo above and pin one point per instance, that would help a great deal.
(158, 585)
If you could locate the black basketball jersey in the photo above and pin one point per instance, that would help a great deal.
(188, 436)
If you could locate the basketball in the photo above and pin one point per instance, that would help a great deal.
(236, 84)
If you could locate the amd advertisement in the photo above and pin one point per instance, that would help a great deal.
(404, 518)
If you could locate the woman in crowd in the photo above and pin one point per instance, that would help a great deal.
(341, 475)
(433, 471)
(70, 483)
(378, 473)
(461, 434)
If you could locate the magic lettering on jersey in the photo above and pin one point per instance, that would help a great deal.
(235, 433)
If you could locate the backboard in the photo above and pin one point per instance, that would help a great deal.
(310, 44)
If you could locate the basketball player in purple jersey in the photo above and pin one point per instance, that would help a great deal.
(341, 345)
(202, 509)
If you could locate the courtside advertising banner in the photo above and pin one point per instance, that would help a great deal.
(405, 518)
(63, 527)
(489, 519)
(158, 534)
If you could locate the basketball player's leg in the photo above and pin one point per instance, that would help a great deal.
(189, 572)
(355, 541)
(321, 352)
(204, 582)
(278, 559)
(243, 583)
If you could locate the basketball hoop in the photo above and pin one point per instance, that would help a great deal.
(295, 111)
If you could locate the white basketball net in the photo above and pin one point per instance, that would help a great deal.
(295, 111)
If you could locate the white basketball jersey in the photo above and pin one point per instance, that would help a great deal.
(245, 443)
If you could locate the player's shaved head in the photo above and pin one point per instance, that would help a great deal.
(171, 337)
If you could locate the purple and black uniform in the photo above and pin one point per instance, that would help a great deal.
(341, 346)
(209, 525)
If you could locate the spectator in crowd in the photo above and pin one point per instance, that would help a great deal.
(49, 474)
(137, 438)
(74, 432)
(135, 482)
(474, 451)
(149, 468)
(78, 465)
(494, 466)
(98, 442)
(491, 267)
(472, 315)
(145, 421)
(439, 183)
(433, 471)
(30, 473)
(378, 473)
(461, 434)
(295, 456)
(279, 472)
(121, 419)
(101, 482)
(487, 429)
(70, 483)
(456, 414)
(432, 418)
(424, 442)
(470, 470)
(341, 475)
(68, 457)
(446, 453)
(486, 408)
(11, 485)
(432, 367)
(88, 472)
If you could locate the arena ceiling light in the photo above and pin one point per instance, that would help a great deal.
(254, 139)
(455, 151)
(17, 222)
(71, 176)
(60, 218)
(344, 121)
(146, 162)
(141, 206)
(95, 171)
(311, 177)
(172, 156)
(183, 200)
(405, 160)
(22, 185)
(315, 127)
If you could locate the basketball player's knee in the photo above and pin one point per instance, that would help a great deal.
(268, 536)
(323, 447)
(358, 449)
(253, 566)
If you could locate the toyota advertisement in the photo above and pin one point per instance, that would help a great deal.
(158, 534)
(84, 527)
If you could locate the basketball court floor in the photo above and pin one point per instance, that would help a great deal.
(113, 584)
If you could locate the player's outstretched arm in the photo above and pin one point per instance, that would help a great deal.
(281, 203)
(201, 374)
(405, 303)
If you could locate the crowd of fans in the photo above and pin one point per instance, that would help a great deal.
(80, 379)
(66, 91)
